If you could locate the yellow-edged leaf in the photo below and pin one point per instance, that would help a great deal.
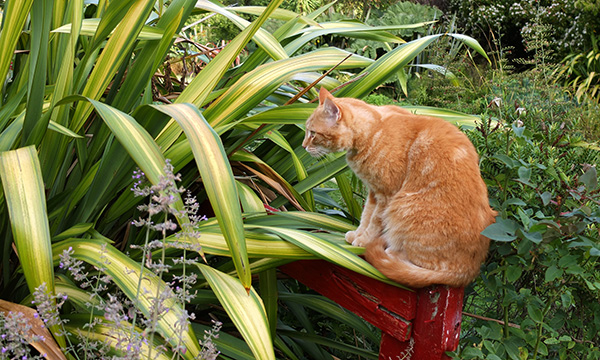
(125, 273)
(245, 309)
(218, 180)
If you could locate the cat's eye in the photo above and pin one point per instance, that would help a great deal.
(311, 134)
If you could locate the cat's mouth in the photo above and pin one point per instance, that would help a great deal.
(316, 151)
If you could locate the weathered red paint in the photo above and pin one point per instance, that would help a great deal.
(421, 324)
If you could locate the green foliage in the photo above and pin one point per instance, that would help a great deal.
(541, 278)
(580, 73)
(79, 112)
(571, 22)
(400, 13)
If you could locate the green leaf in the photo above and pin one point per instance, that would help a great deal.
(553, 273)
(524, 174)
(501, 230)
(329, 251)
(590, 178)
(126, 273)
(546, 198)
(13, 20)
(218, 180)
(25, 197)
(455, 117)
(513, 273)
(535, 313)
(245, 308)
(90, 26)
(26, 200)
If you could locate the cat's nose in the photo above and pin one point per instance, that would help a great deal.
(305, 143)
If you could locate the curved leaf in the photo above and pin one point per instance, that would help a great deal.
(245, 308)
(392, 62)
(126, 273)
(218, 180)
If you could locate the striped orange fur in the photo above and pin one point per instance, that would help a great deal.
(427, 202)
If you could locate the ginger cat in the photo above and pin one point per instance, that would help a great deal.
(427, 203)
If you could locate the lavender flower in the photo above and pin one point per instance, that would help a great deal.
(15, 336)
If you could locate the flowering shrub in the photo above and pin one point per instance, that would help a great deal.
(572, 22)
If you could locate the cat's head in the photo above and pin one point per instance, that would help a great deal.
(325, 129)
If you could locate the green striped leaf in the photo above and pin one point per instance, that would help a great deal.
(301, 220)
(392, 62)
(279, 14)
(135, 139)
(249, 200)
(328, 251)
(217, 178)
(90, 26)
(213, 242)
(24, 192)
(455, 117)
(13, 19)
(126, 273)
(245, 308)
(255, 86)
(289, 114)
(353, 29)
(23, 187)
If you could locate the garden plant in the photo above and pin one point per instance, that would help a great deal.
(145, 206)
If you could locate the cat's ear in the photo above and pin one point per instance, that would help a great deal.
(332, 112)
(330, 109)
(324, 94)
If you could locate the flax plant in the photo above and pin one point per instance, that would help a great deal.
(78, 114)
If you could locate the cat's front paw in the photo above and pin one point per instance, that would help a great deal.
(350, 236)
(360, 241)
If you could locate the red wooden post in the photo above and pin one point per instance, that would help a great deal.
(419, 324)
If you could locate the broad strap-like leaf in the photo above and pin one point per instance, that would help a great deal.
(245, 308)
(23, 187)
(13, 19)
(351, 29)
(89, 27)
(328, 251)
(218, 180)
(258, 84)
(24, 192)
(390, 63)
(455, 117)
(126, 273)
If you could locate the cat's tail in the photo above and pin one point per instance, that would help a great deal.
(409, 274)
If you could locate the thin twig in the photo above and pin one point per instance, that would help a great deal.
(291, 101)
(490, 319)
